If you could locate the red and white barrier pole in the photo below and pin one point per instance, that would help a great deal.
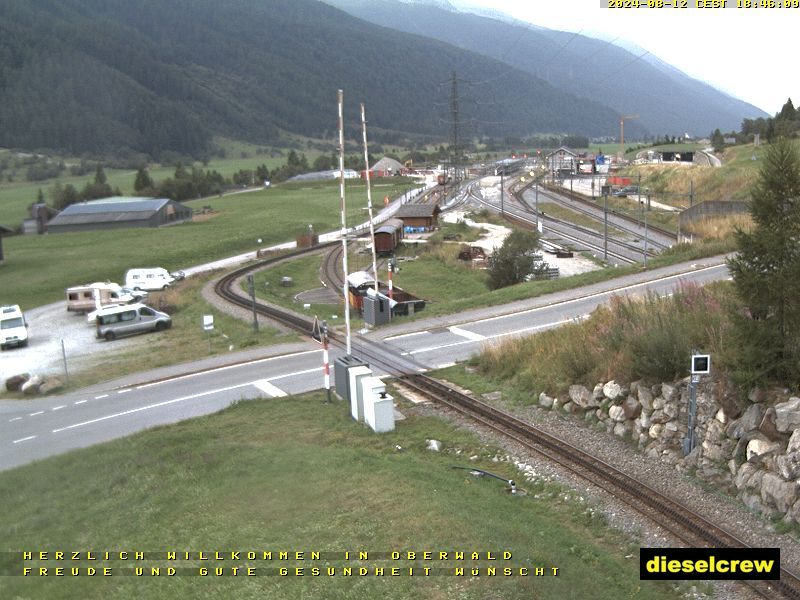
(326, 366)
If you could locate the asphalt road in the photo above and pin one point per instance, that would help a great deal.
(35, 429)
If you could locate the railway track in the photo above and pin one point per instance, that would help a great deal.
(673, 516)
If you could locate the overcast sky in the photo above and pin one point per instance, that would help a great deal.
(751, 54)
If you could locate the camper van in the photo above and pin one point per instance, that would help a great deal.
(85, 298)
(151, 279)
(13, 327)
(117, 321)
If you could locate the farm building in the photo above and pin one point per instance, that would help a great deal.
(322, 175)
(385, 167)
(422, 217)
(40, 216)
(388, 235)
(562, 161)
(118, 212)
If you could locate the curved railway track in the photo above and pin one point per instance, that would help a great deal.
(673, 516)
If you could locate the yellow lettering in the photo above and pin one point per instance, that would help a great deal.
(506, 555)
(27, 555)
(218, 556)
(539, 571)
(123, 555)
(459, 571)
(75, 571)
(331, 571)
(42, 572)
(171, 571)
(219, 571)
(347, 571)
(235, 570)
(203, 571)
(299, 571)
(268, 555)
(475, 572)
(507, 571)
(283, 556)
(90, 556)
(299, 556)
(363, 556)
(107, 572)
(459, 556)
(283, 571)
(172, 556)
(378, 570)
(427, 555)
(315, 555)
(139, 555)
(475, 556)
(91, 571)
(427, 570)
(764, 566)
(251, 555)
(412, 556)
(395, 571)
(76, 556)
(491, 571)
(155, 571)
(315, 571)
(490, 556)
(59, 555)
(442, 555)
(59, 571)
(363, 571)
(234, 556)
(26, 571)
(555, 571)
(395, 555)
(201, 555)
(523, 571)
(251, 571)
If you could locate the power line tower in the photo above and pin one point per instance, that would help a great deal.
(454, 109)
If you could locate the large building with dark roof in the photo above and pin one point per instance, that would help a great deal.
(118, 212)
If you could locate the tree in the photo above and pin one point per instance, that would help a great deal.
(143, 181)
(766, 273)
(513, 261)
(99, 175)
(717, 140)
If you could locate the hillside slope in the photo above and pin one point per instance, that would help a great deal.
(666, 99)
(149, 76)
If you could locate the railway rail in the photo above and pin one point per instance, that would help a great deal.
(665, 511)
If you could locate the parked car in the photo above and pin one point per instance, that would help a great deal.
(151, 279)
(630, 190)
(116, 321)
(13, 327)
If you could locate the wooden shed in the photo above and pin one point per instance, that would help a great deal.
(422, 217)
(3, 231)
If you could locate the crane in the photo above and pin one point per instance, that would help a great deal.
(622, 120)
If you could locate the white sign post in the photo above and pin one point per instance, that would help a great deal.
(208, 325)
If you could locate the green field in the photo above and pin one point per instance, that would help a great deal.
(294, 474)
(39, 267)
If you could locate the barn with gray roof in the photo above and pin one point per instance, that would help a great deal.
(119, 212)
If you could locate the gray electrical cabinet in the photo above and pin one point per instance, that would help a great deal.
(341, 378)
(376, 310)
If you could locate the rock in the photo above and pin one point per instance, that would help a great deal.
(671, 410)
(645, 398)
(753, 502)
(732, 467)
(787, 415)
(721, 417)
(780, 494)
(600, 414)
(668, 392)
(768, 425)
(759, 447)
(793, 514)
(31, 387)
(788, 465)
(658, 403)
(14, 383)
(749, 421)
(756, 395)
(655, 431)
(693, 457)
(616, 413)
(620, 430)
(612, 390)
(570, 407)
(557, 403)
(659, 416)
(597, 392)
(545, 400)
(581, 396)
(643, 421)
(794, 442)
(713, 432)
(631, 407)
(713, 452)
(434, 445)
(51, 384)
(492, 396)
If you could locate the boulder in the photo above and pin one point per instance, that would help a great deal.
(14, 383)
(597, 392)
(793, 514)
(645, 398)
(721, 417)
(669, 392)
(620, 430)
(759, 448)
(787, 415)
(714, 432)
(671, 410)
(777, 492)
(794, 442)
(713, 452)
(31, 387)
(580, 395)
(612, 390)
(788, 465)
(51, 384)
(749, 421)
(434, 445)
(545, 401)
(655, 430)
(658, 403)
(570, 407)
(768, 425)
(631, 407)
(659, 416)
(492, 396)
(616, 413)
(642, 422)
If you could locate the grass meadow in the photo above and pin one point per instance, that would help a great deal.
(294, 474)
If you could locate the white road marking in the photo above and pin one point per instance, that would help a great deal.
(405, 335)
(99, 397)
(41, 412)
(305, 372)
(81, 401)
(15, 419)
(124, 391)
(499, 335)
(149, 406)
(25, 439)
(445, 365)
(59, 407)
(254, 362)
(269, 389)
(470, 335)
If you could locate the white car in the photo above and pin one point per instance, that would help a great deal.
(13, 327)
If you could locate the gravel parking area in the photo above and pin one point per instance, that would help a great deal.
(47, 326)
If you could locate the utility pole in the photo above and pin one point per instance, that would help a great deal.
(344, 221)
(502, 189)
(251, 287)
(454, 109)
(645, 239)
(605, 223)
(369, 198)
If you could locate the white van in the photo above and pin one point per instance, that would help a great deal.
(116, 321)
(85, 298)
(151, 279)
(13, 327)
